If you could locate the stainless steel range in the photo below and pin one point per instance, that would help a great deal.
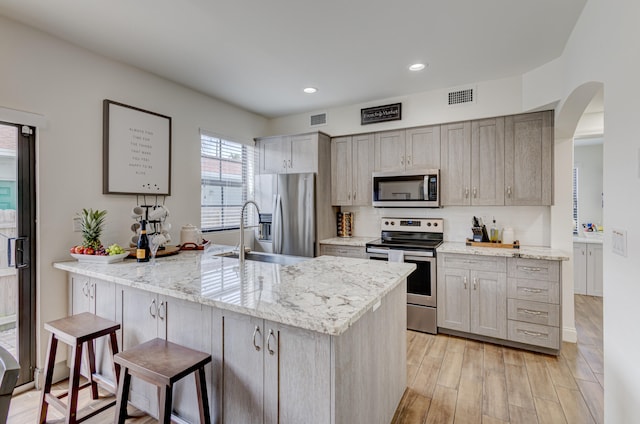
(414, 241)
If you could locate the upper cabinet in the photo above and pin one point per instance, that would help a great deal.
(351, 167)
(487, 162)
(288, 154)
(406, 150)
(528, 153)
(455, 168)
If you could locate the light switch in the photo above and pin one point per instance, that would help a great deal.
(619, 242)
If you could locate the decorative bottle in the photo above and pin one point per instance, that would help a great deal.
(143, 252)
(494, 234)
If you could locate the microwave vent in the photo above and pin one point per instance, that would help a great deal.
(319, 119)
(461, 96)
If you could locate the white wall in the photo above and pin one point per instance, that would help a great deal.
(588, 160)
(66, 85)
(601, 49)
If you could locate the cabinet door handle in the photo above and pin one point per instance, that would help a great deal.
(475, 192)
(465, 283)
(290, 164)
(284, 163)
(92, 290)
(528, 290)
(409, 160)
(153, 308)
(401, 160)
(349, 196)
(256, 332)
(530, 312)
(271, 335)
(508, 191)
(354, 197)
(85, 289)
(475, 283)
(532, 333)
(466, 192)
(531, 269)
(161, 310)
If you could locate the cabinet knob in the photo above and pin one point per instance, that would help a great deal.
(256, 332)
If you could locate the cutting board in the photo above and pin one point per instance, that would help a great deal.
(167, 251)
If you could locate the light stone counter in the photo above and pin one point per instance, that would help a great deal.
(529, 252)
(349, 241)
(324, 294)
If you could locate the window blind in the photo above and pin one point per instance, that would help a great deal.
(226, 169)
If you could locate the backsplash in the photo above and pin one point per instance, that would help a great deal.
(530, 223)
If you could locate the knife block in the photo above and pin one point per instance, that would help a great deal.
(480, 234)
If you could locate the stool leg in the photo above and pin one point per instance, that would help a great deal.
(113, 346)
(164, 407)
(203, 399)
(123, 395)
(74, 383)
(48, 376)
(91, 361)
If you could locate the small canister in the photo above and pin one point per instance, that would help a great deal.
(507, 235)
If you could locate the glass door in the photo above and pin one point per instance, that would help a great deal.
(17, 245)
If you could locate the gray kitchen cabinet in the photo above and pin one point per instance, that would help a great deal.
(472, 294)
(529, 159)
(343, 251)
(587, 269)
(288, 154)
(274, 373)
(487, 162)
(455, 164)
(472, 158)
(352, 160)
(534, 294)
(407, 150)
(97, 297)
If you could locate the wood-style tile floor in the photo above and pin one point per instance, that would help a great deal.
(453, 380)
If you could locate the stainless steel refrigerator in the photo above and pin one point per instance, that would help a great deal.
(291, 198)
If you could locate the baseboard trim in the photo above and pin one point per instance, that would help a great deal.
(569, 334)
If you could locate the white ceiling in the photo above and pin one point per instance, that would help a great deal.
(260, 54)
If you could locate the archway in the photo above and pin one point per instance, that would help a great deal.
(568, 115)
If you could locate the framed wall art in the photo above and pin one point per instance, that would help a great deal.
(136, 150)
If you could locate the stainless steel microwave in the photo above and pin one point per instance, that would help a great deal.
(409, 189)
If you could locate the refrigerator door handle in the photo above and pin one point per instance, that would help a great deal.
(277, 225)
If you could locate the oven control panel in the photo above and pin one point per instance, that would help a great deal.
(418, 225)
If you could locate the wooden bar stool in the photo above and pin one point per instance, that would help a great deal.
(75, 331)
(162, 363)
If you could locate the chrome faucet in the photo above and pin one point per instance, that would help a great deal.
(241, 252)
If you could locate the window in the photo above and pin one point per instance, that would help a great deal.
(226, 169)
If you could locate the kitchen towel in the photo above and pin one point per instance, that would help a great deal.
(396, 256)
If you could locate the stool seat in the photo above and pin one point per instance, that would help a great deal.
(77, 331)
(162, 363)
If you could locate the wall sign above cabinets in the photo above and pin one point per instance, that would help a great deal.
(372, 115)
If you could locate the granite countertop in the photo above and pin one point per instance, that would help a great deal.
(325, 294)
(349, 241)
(529, 252)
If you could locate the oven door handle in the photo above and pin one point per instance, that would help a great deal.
(376, 250)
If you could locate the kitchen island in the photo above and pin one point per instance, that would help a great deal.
(321, 341)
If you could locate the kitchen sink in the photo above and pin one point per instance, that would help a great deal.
(267, 257)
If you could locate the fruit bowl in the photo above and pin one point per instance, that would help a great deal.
(100, 258)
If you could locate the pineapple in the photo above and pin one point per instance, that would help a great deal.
(91, 223)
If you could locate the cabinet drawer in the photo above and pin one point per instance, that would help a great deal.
(474, 262)
(535, 290)
(344, 251)
(533, 312)
(535, 269)
(534, 334)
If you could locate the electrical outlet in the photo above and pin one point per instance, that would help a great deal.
(619, 242)
(77, 224)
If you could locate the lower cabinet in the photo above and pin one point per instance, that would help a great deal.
(470, 298)
(273, 373)
(343, 251)
(510, 299)
(587, 269)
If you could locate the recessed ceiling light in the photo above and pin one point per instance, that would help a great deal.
(310, 90)
(417, 67)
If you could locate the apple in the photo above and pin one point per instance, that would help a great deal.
(79, 250)
(89, 251)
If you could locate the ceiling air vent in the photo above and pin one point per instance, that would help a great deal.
(461, 96)
(319, 119)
